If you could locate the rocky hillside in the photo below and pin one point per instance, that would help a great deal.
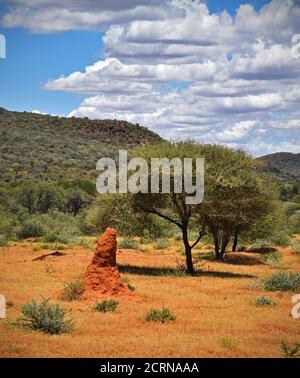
(284, 165)
(44, 147)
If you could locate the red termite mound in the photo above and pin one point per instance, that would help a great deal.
(102, 277)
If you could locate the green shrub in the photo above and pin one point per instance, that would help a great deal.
(227, 342)
(144, 240)
(128, 284)
(45, 317)
(128, 243)
(36, 249)
(9, 224)
(254, 285)
(274, 256)
(45, 246)
(86, 243)
(30, 228)
(264, 301)
(282, 281)
(146, 234)
(178, 236)
(294, 223)
(58, 227)
(49, 268)
(296, 248)
(64, 236)
(3, 241)
(273, 259)
(270, 230)
(127, 222)
(281, 238)
(60, 247)
(72, 290)
(290, 351)
(161, 244)
(160, 316)
(106, 306)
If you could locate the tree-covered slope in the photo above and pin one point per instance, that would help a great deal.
(284, 165)
(45, 147)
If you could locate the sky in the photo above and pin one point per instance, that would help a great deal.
(216, 71)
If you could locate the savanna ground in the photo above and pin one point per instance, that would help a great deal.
(215, 313)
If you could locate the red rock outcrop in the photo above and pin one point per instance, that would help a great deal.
(102, 277)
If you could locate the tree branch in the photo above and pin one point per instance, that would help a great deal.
(201, 234)
(165, 217)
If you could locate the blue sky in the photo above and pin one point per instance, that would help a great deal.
(45, 56)
(41, 52)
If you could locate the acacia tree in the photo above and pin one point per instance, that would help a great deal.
(235, 196)
(232, 209)
(173, 207)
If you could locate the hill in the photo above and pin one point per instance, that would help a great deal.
(44, 147)
(283, 165)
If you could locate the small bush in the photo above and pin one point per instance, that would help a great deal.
(64, 236)
(290, 351)
(128, 243)
(45, 246)
(106, 306)
(178, 237)
(60, 247)
(273, 259)
(160, 316)
(72, 290)
(281, 238)
(161, 244)
(254, 285)
(3, 241)
(227, 342)
(36, 249)
(242, 248)
(49, 268)
(10, 304)
(128, 284)
(30, 228)
(45, 317)
(146, 237)
(296, 248)
(144, 240)
(86, 243)
(282, 281)
(264, 301)
(181, 268)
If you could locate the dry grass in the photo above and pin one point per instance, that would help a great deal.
(212, 306)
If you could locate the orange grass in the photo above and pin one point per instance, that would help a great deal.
(213, 309)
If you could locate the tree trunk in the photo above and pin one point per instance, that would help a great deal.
(218, 255)
(225, 242)
(188, 251)
(217, 247)
(235, 241)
